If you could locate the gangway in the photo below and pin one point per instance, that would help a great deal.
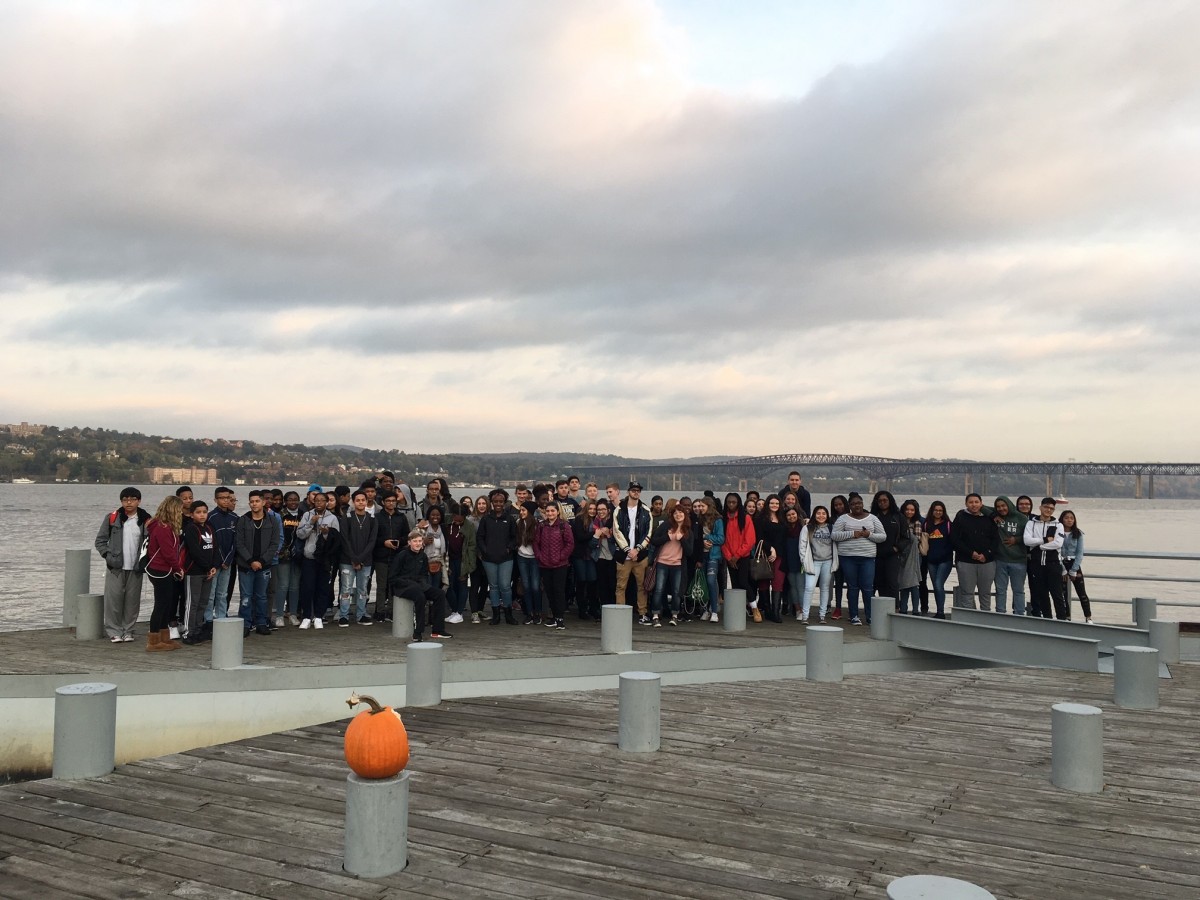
(992, 643)
(1109, 636)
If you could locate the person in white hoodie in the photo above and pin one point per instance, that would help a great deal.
(1044, 538)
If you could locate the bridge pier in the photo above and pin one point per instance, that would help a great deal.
(1151, 485)
(1062, 483)
(968, 484)
(743, 485)
(676, 481)
(1137, 487)
(1049, 486)
(983, 482)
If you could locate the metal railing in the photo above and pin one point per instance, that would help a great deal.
(1146, 555)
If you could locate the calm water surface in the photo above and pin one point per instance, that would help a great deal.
(38, 522)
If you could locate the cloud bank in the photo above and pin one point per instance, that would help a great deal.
(465, 226)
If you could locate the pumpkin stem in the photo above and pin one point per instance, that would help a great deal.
(357, 698)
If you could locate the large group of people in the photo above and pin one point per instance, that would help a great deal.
(343, 557)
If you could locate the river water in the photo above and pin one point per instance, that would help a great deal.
(38, 522)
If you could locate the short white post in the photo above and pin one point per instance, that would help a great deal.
(1077, 748)
(376, 842)
(404, 618)
(423, 674)
(882, 609)
(89, 617)
(85, 730)
(228, 635)
(1164, 637)
(1144, 609)
(640, 712)
(935, 887)
(823, 645)
(616, 628)
(1135, 677)
(77, 579)
(733, 615)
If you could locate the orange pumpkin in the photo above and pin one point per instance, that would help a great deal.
(376, 744)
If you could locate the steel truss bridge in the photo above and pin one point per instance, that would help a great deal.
(884, 469)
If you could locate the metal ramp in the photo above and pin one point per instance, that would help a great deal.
(995, 643)
(1109, 636)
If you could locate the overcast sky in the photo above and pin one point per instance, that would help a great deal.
(678, 228)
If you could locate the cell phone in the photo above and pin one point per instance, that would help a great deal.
(1051, 530)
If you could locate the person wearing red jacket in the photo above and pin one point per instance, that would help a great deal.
(553, 543)
(739, 544)
(165, 568)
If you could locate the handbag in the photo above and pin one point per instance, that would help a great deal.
(760, 567)
(923, 544)
(648, 578)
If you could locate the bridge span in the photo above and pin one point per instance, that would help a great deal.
(883, 469)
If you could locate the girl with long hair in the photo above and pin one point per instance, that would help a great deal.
(527, 566)
(739, 544)
(838, 507)
(1072, 560)
(819, 558)
(771, 531)
(712, 533)
(909, 575)
(604, 552)
(673, 539)
(940, 559)
(165, 570)
(587, 601)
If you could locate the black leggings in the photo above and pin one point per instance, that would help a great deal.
(164, 599)
(554, 583)
(1080, 589)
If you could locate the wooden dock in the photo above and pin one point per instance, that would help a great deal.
(761, 790)
(54, 651)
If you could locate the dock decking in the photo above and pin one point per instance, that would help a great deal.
(780, 789)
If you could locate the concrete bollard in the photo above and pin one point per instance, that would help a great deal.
(1077, 748)
(882, 609)
(823, 646)
(77, 579)
(733, 614)
(85, 730)
(376, 842)
(640, 712)
(228, 635)
(1144, 609)
(423, 678)
(616, 628)
(1164, 637)
(1135, 677)
(89, 617)
(935, 887)
(404, 618)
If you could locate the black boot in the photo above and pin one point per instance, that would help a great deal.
(496, 615)
(508, 616)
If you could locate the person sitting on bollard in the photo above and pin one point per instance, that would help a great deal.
(408, 577)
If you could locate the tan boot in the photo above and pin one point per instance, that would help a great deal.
(154, 642)
(164, 638)
(757, 615)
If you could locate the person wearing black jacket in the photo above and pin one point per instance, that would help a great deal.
(119, 542)
(408, 577)
(889, 554)
(587, 601)
(795, 485)
(496, 544)
(203, 561)
(358, 532)
(974, 537)
(392, 530)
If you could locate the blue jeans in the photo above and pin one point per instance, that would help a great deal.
(666, 578)
(220, 588)
(823, 577)
(531, 578)
(938, 573)
(353, 582)
(456, 594)
(499, 579)
(253, 586)
(906, 594)
(860, 576)
(287, 587)
(710, 573)
(1014, 573)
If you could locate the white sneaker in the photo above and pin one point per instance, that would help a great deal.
(454, 618)
(707, 615)
(1088, 621)
(174, 633)
(279, 621)
(821, 620)
(715, 618)
(307, 623)
(800, 617)
(318, 623)
(292, 619)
